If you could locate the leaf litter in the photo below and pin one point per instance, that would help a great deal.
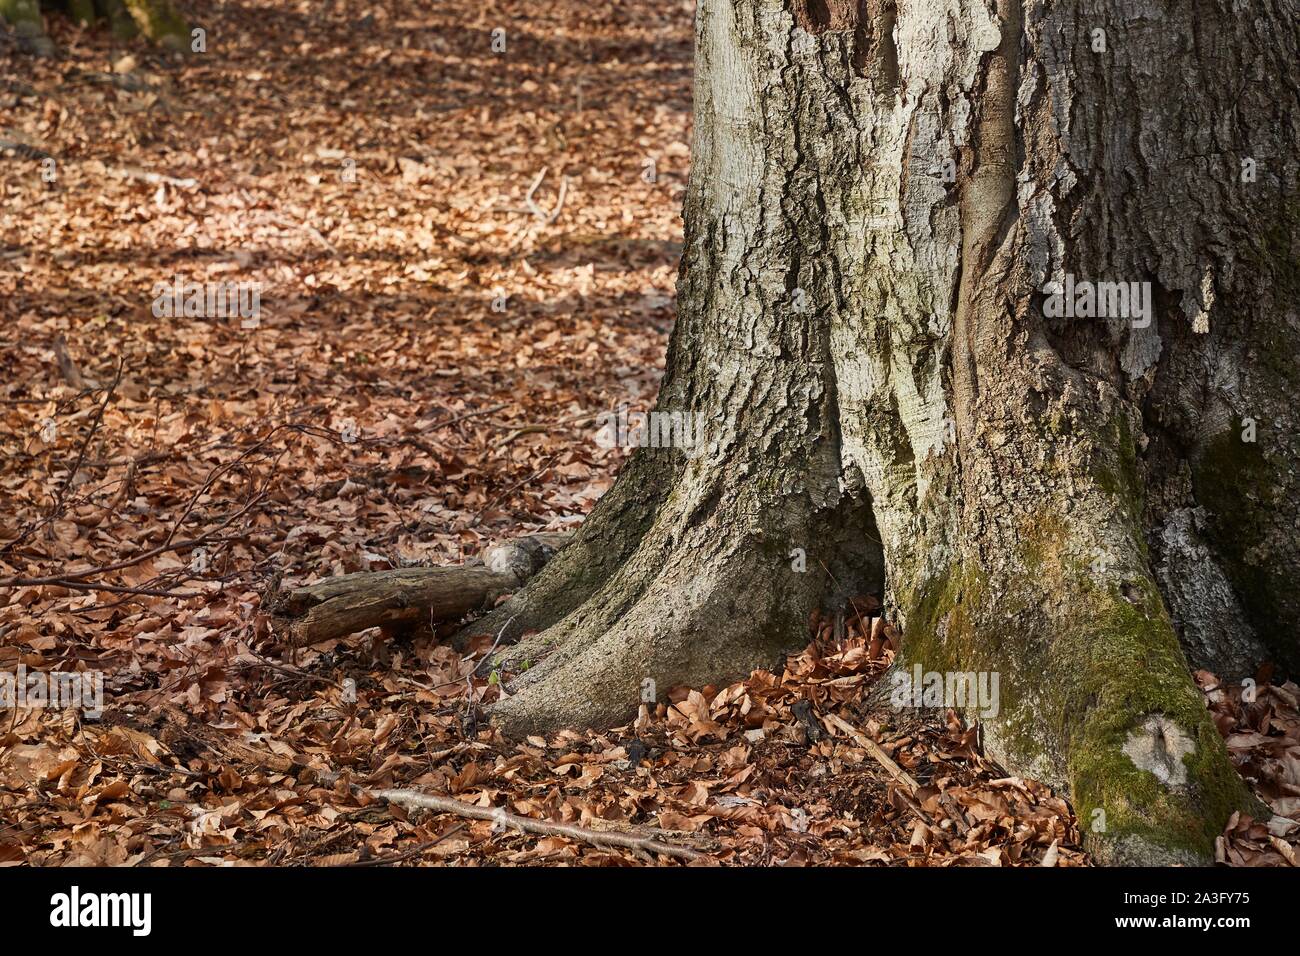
(464, 257)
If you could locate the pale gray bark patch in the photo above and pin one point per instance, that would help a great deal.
(1215, 630)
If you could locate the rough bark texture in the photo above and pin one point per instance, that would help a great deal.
(408, 597)
(1059, 500)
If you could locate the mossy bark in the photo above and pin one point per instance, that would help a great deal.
(82, 12)
(160, 22)
(120, 22)
(25, 17)
(1095, 695)
(878, 196)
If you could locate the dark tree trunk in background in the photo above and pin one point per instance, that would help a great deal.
(1059, 499)
(157, 20)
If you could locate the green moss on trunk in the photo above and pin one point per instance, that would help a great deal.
(82, 11)
(159, 21)
(25, 15)
(119, 19)
(1095, 693)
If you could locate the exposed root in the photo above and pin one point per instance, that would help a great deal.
(609, 535)
(702, 617)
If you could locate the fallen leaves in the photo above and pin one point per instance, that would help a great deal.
(442, 323)
(1260, 723)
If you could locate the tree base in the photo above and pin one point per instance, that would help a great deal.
(156, 20)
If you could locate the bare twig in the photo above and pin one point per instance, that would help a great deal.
(85, 444)
(901, 776)
(873, 748)
(530, 205)
(109, 588)
(425, 801)
(628, 841)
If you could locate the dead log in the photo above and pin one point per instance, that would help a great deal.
(343, 605)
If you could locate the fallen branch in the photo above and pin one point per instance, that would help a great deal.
(343, 605)
(628, 841)
(900, 776)
(226, 747)
(876, 751)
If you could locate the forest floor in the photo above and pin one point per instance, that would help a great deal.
(422, 380)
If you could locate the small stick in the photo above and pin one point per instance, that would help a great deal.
(426, 801)
(873, 748)
(547, 218)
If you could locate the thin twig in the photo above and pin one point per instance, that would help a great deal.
(111, 588)
(57, 508)
(426, 801)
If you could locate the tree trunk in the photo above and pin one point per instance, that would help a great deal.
(158, 20)
(25, 17)
(82, 12)
(880, 195)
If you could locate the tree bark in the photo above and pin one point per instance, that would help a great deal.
(25, 17)
(158, 20)
(409, 597)
(880, 194)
